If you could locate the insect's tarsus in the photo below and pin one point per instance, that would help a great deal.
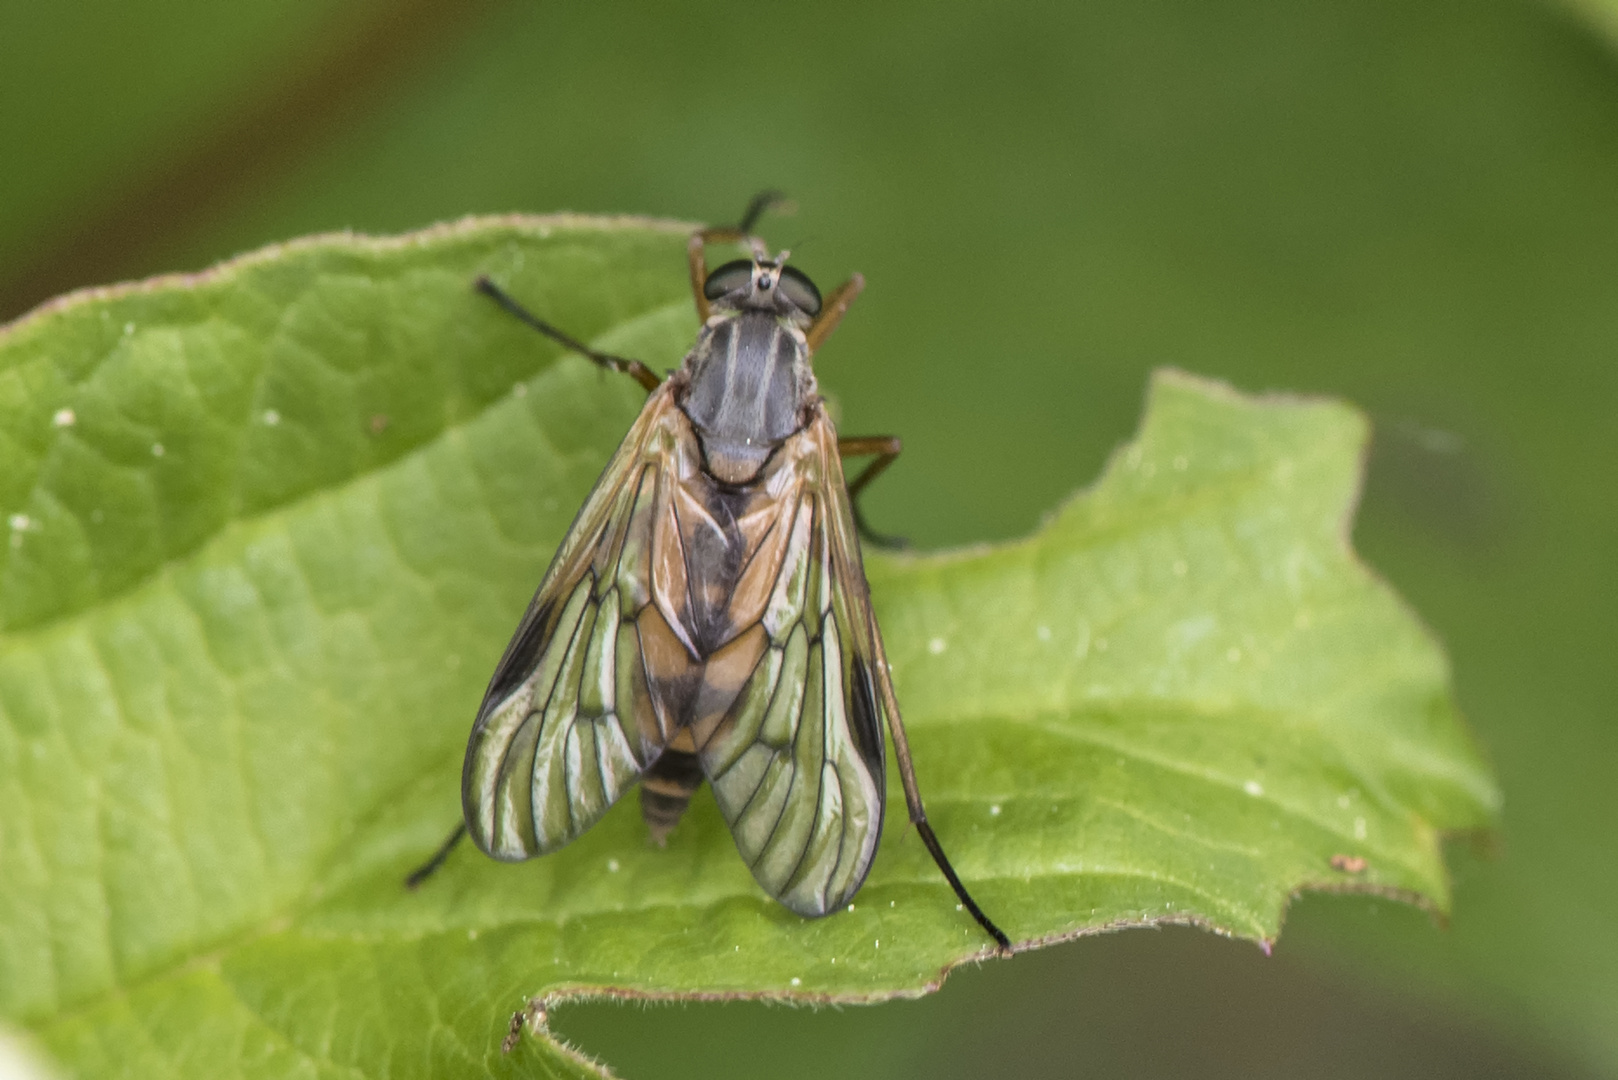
(428, 868)
(633, 368)
(937, 851)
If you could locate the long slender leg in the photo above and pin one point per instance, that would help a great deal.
(428, 868)
(918, 813)
(886, 448)
(832, 310)
(633, 368)
(696, 249)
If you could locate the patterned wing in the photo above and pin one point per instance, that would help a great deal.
(566, 726)
(797, 763)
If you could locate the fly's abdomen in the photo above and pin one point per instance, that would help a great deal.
(666, 790)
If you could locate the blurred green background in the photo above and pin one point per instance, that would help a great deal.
(1409, 203)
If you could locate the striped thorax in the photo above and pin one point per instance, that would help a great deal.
(747, 381)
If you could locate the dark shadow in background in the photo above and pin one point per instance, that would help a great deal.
(257, 137)
(1139, 1004)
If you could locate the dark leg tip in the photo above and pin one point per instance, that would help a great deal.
(428, 868)
(876, 539)
(764, 200)
(887, 543)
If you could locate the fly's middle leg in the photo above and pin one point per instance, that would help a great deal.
(886, 448)
(633, 368)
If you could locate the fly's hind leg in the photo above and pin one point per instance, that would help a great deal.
(633, 368)
(430, 867)
(886, 448)
(697, 253)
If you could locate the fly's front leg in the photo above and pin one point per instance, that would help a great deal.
(886, 448)
(831, 313)
(633, 368)
(696, 250)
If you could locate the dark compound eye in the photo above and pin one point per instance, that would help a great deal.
(728, 278)
(796, 286)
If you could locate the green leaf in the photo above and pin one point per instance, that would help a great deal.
(271, 525)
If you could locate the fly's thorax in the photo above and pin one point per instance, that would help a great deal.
(748, 383)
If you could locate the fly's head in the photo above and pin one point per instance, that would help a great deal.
(763, 284)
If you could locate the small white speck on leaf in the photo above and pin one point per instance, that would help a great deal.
(1253, 788)
(1043, 633)
(612, 868)
(1359, 828)
(471, 935)
(851, 907)
(21, 522)
(129, 328)
(157, 449)
(960, 907)
(937, 646)
(64, 418)
(796, 981)
(271, 417)
(520, 390)
(994, 811)
(1342, 802)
